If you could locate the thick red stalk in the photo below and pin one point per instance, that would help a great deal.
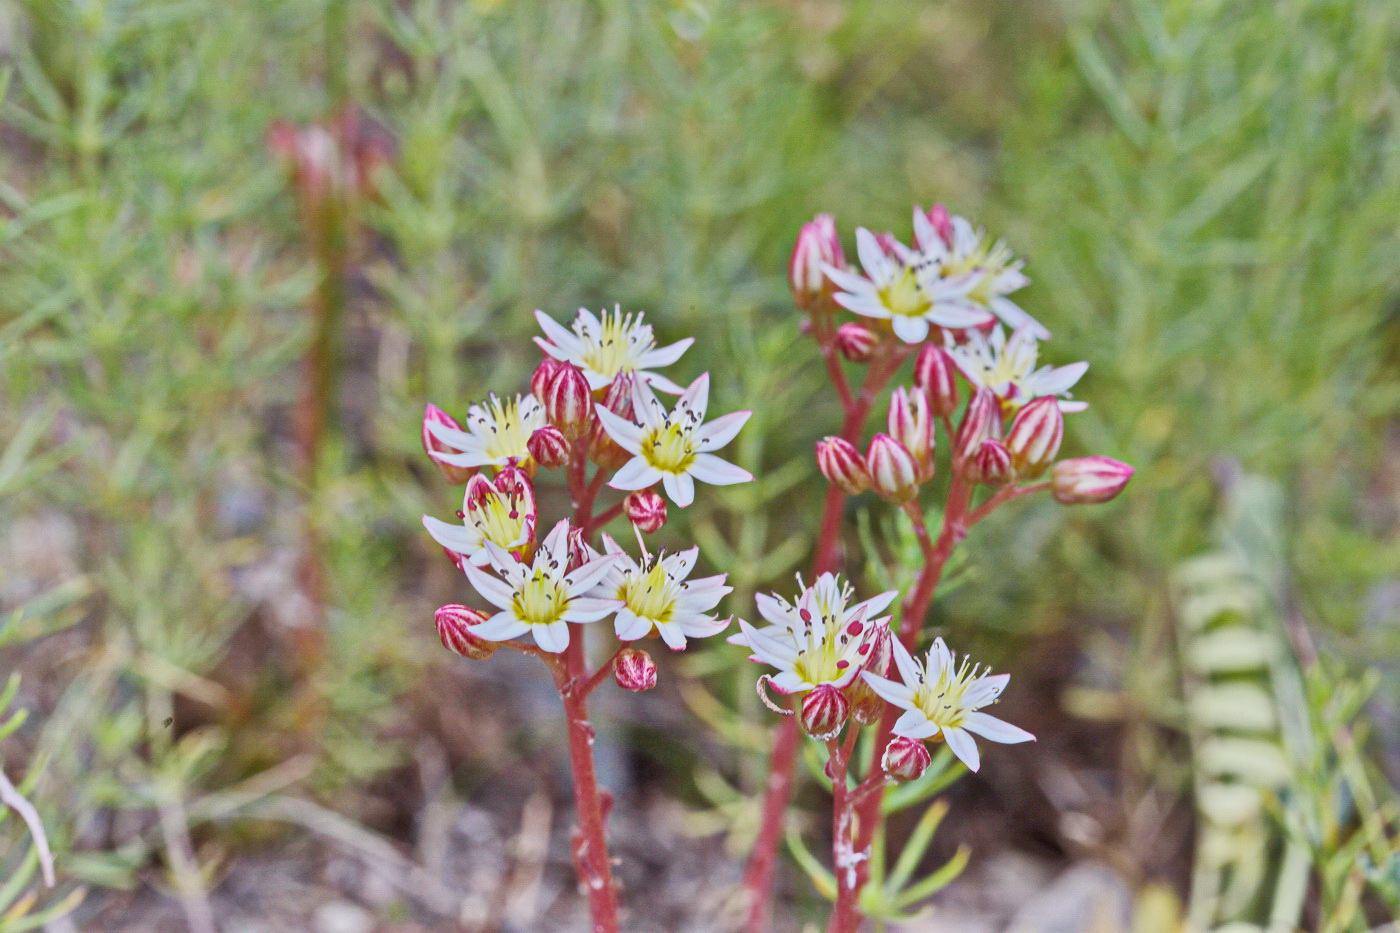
(758, 874)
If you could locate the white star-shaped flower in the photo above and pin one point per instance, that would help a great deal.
(945, 696)
(673, 448)
(656, 595)
(1007, 367)
(617, 343)
(995, 269)
(906, 288)
(819, 640)
(541, 597)
(501, 511)
(497, 433)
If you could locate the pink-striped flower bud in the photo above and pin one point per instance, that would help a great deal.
(910, 424)
(1088, 480)
(453, 474)
(824, 711)
(543, 374)
(937, 375)
(602, 449)
(942, 223)
(568, 402)
(548, 447)
(905, 759)
(866, 705)
(842, 465)
(454, 624)
(579, 551)
(981, 422)
(856, 342)
(991, 465)
(634, 670)
(646, 510)
(888, 243)
(894, 473)
(817, 244)
(1034, 436)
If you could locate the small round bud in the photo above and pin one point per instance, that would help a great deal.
(548, 447)
(824, 711)
(910, 424)
(568, 402)
(453, 474)
(1034, 436)
(646, 510)
(602, 449)
(991, 466)
(1088, 480)
(454, 623)
(817, 245)
(856, 342)
(634, 670)
(981, 422)
(894, 473)
(936, 374)
(905, 759)
(842, 465)
(546, 371)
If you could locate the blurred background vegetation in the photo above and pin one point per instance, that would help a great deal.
(1207, 194)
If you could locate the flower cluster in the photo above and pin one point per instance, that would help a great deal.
(591, 400)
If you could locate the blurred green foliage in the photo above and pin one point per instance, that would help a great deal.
(1206, 193)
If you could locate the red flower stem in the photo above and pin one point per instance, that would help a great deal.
(758, 874)
(843, 862)
(600, 520)
(601, 674)
(826, 340)
(1005, 495)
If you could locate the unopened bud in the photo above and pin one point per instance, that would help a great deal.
(905, 759)
(548, 447)
(937, 375)
(453, 625)
(856, 342)
(1034, 436)
(910, 424)
(568, 402)
(578, 550)
(894, 473)
(866, 705)
(1088, 480)
(981, 422)
(824, 711)
(544, 373)
(991, 465)
(817, 244)
(842, 465)
(602, 449)
(453, 474)
(634, 670)
(646, 510)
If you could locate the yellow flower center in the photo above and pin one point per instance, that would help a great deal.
(670, 447)
(540, 600)
(650, 593)
(623, 339)
(499, 521)
(506, 431)
(905, 296)
(942, 700)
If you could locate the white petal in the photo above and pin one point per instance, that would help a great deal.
(910, 329)
(874, 605)
(963, 746)
(722, 430)
(774, 610)
(711, 469)
(500, 627)
(788, 682)
(658, 381)
(872, 257)
(697, 396)
(627, 435)
(921, 730)
(864, 305)
(559, 335)
(553, 637)
(646, 408)
(680, 487)
(985, 690)
(590, 609)
(629, 626)
(990, 727)
(453, 437)
(1060, 380)
(702, 626)
(849, 281)
(493, 590)
(580, 581)
(1017, 319)
(665, 356)
(681, 563)
(910, 719)
(907, 666)
(557, 541)
(672, 635)
(955, 315)
(471, 458)
(635, 474)
(896, 693)
(769, 649)
(463, 539)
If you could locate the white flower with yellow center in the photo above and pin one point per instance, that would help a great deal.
(541, 597)
(944, 696)
(1007, 367)
(656, 596)
(497, 433)
(819, 640)
(994, 269)
(673, 448)
(617, 343)
(907, 289)
(501, 511)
